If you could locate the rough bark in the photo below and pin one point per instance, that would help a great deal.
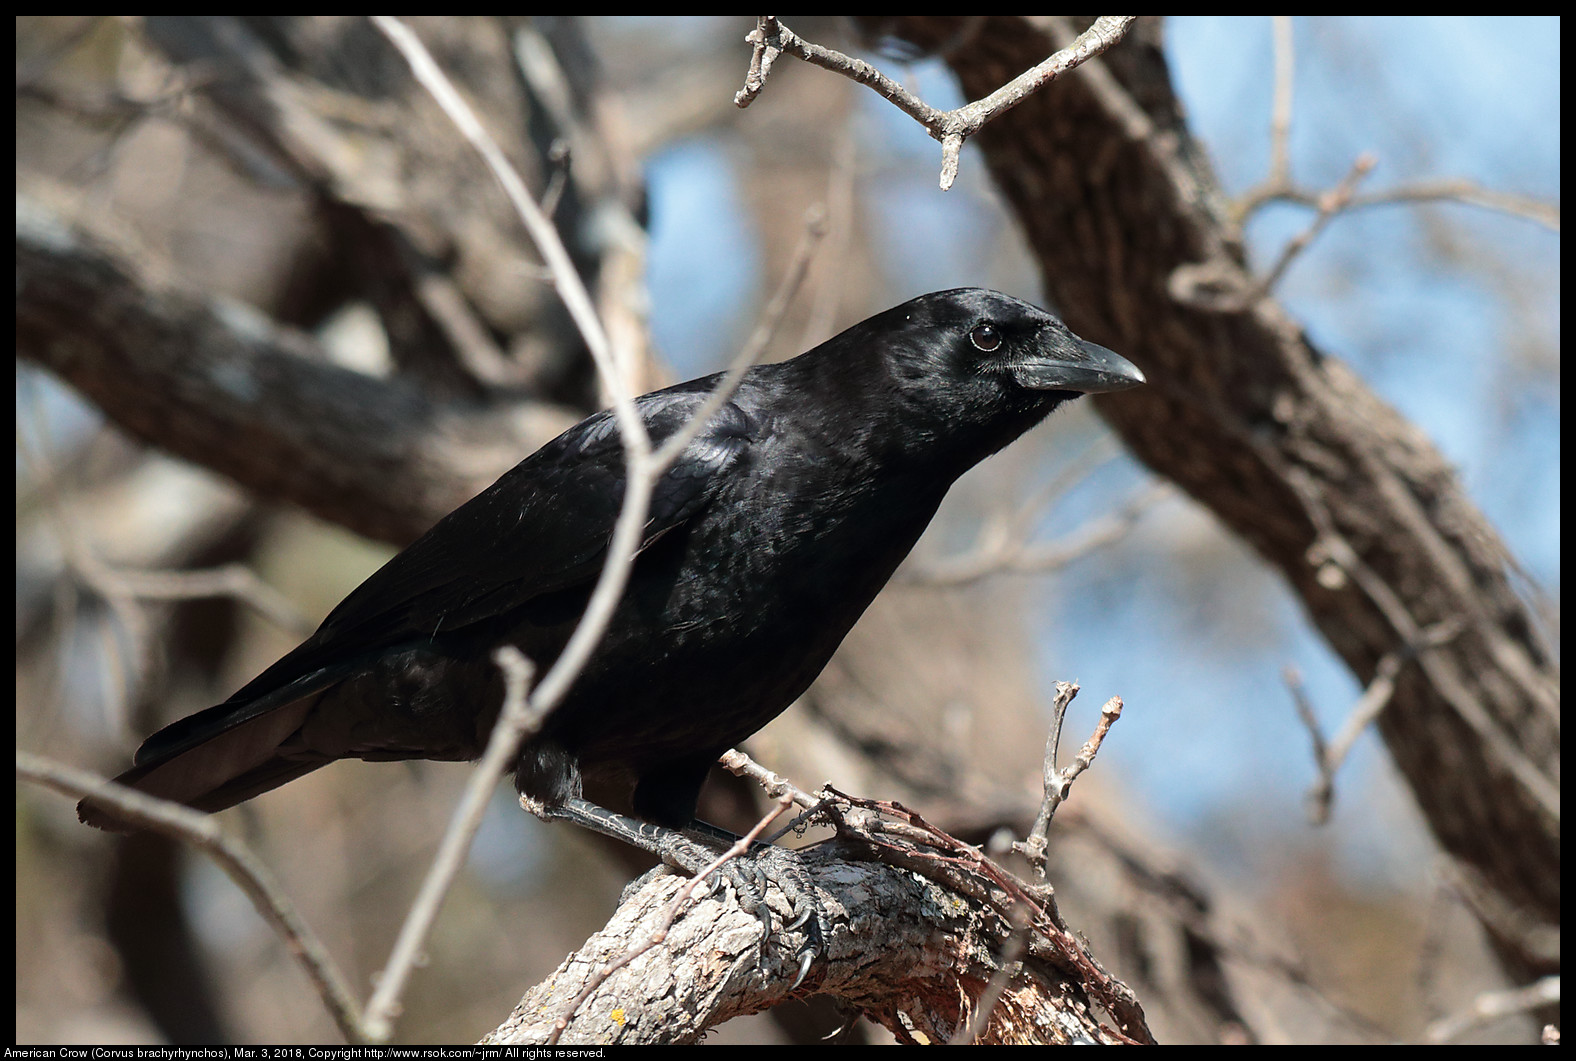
(912, 954)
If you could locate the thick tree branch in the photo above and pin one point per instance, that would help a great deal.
(912, 953)
(221, 385)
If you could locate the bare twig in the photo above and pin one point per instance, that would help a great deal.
(518, 717)
(1004, 546)
(1215, 284)
(1280, 116)
(1495, 1005)
(249, 872)
(1337, 560)
(903, 838)
(1469, 193)
(741, 765)
(1277, 179)
(236, 581)
(1323, 791)
(570, 288)
(1330, 203)
(760, 338)
(1065, 693)
(1437, 190)
(771, 38)
(1329, 756)
(1058, 783)
(1279, 185)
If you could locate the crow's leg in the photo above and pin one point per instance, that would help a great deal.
(693, 851)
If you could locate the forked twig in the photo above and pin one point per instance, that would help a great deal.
(771, 39)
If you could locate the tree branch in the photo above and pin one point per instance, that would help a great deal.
(907, 946)
(225, 387)
(771, 38)
(248, 872)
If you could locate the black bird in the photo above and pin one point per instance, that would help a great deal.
(765, 541)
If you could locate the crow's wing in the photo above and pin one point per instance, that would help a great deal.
(544, 526)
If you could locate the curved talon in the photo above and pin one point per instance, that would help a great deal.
(804, 968)
(749, 884)
(750, 893)
(800, 921)
(806, 909)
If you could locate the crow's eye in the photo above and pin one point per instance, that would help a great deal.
(985, 337)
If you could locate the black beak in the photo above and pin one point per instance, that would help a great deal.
(1068, 363)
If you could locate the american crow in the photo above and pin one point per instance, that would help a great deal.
(766, 540)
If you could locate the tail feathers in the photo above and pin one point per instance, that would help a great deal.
(235, 764)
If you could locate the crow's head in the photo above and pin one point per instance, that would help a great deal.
(966, 370)
(969, 333)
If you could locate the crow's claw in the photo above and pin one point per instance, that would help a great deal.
(749, 876)
(786, 868)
